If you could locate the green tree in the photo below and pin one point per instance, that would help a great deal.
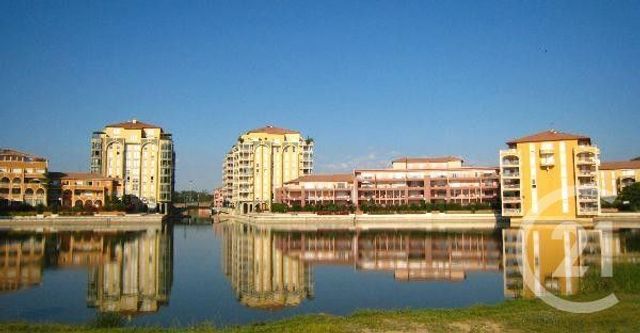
(630, 197)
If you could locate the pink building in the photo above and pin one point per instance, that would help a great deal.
(317, 189)
(218, 198)
(408, 181)
(431, 179)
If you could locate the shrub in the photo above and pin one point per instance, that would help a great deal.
(279, 208)
(630, 197)
(40, 208)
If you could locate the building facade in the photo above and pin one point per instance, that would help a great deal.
(550, 175)
(81, 189)
(23, 178)
(616, 175)
(407, 181)
(317, 189)
(260, 162)
(428, 179)
(218, 197)
(141, 157)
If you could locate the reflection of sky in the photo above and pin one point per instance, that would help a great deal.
(60, 297)
(201, 292)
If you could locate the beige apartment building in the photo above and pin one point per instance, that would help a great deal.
(23, 178)
(141, 157)
(260, 162)
(616, 175)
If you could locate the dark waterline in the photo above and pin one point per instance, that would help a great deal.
(199, 290)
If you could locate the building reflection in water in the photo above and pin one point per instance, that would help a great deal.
(559, 256)
(128, 272)
(21, 262)
(272, 269)
(262, 275)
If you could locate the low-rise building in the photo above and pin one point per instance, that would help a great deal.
(616, 175)
(409, 180)
(218, 197)
(81, 189)
(23, 178)
(412, 180)
(317, 189)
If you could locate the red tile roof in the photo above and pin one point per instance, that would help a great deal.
(273, 130)
(550, 135)
(437, 159)
(133, 124)
(78, 175)
(13, 152)
(321, 178)
(614, 165)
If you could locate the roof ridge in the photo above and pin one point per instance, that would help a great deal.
(548, 135)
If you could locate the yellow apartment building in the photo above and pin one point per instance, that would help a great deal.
(550, 176)
(23, 178)
(141, 157)
(616, 175)
(260, 162)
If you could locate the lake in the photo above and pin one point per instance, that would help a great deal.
(234, 273)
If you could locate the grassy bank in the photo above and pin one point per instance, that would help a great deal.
(513, 316)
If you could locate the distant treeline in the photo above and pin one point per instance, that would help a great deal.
(192, 196)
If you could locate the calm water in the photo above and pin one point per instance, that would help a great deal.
(233, 273)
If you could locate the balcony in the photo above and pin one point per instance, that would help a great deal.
(511, 211)
(589, 186)
(510, 187)
(511, 200)
(511, 175)
(588, 210)
(544, 151)
(509, 152)
(547, 161)
(510, 162)
(586, 173)
(585, 161)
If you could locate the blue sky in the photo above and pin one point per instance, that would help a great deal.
(368, 80)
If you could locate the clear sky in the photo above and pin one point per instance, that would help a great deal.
(368, 80)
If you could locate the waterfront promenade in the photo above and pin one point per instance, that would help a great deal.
(428, 221)
(129, 222)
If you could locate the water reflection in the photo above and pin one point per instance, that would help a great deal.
(273, 269)
(21, 259)
(128, 272)
(223, 276)
(557, 258)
